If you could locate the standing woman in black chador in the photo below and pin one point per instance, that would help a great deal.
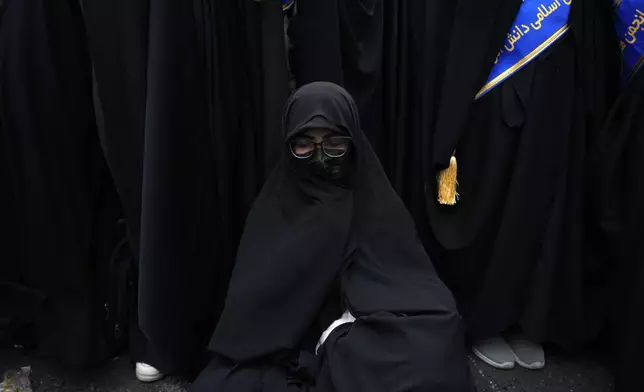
(520, 100)
(332, 289)
(619, 212)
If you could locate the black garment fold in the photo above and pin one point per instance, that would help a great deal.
(178, 239)
(417, 37)
(117, 34)
(477, 34)
(54, 177)
(342, 42)
(618, 213)
(391, 56)
(276, 77)
(216, 82)
(183, 90)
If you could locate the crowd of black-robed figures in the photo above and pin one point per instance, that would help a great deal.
(136, 132)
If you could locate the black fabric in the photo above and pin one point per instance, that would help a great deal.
(186, 102)
(118, 43)
(512, 248)
(302, 234)
(391, 56)
(416, 43)
(342, 42)
(178, 245)
(566, 277)
(184, 90)
(54, 176)
(276, 80)
(117, 34)
(599, 52)
(616, 168)
(470, 59)
(242, 50)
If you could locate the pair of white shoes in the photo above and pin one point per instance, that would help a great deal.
(147, 373)
(505, 353)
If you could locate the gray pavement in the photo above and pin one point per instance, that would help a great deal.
(562, 374)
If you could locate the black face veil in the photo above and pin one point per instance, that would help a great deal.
(303, 234)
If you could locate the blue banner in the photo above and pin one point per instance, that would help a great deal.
(536, 27)
(629, 24)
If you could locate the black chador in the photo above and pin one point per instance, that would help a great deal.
(60, 220)
(328, 239)
(520, 153)
(618, 212)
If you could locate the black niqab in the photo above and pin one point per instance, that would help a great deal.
(303, 234)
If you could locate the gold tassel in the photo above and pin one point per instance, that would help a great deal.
(447, 184)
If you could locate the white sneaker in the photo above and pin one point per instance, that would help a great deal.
(147, 373)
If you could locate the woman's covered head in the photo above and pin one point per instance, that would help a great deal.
(320, 120)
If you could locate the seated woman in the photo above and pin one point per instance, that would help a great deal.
(332, 289)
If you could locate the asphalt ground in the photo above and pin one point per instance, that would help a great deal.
(563, 373)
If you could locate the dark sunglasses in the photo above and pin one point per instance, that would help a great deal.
(304, 147)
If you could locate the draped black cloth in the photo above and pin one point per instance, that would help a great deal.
(62, 212)
(567, 277)
(186, 88)
(618, 211)
(117, 38)
(303, 236)
(119, 41)
(341, 41)
(511, 249)
(181, 90)
(178, 247)
(391, 56)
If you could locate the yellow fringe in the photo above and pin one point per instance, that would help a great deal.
(447, 184)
